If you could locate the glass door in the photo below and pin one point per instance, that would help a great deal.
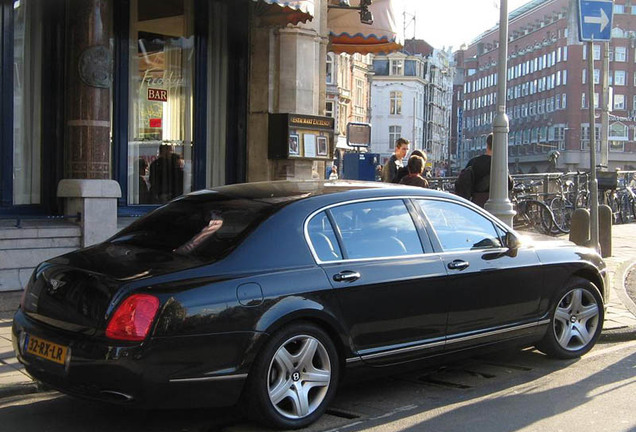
(160, 145)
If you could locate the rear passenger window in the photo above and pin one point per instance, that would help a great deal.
(323, 238)
(460, 228)
(374, 229)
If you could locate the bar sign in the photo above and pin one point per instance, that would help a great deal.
(155, 123)
(160, 95)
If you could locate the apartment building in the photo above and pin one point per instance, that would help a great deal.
(411, 96)
(547, 92)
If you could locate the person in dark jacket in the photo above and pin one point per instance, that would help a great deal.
(404, 171)
(395, 162)
(481, 175)
(416, 168)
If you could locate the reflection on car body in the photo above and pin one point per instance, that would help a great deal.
(272, 291)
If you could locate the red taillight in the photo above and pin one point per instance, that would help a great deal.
(133, 318)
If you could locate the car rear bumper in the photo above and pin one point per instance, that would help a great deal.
(175, 372)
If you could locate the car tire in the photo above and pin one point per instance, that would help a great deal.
(294, 377)
(576, 320)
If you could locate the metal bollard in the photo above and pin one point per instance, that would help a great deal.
(580, 227)
(605, 230)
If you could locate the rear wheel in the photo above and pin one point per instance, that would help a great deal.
(576, 321)
(294, 378)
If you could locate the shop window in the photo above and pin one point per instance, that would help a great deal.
(160, 106)
(27, 110)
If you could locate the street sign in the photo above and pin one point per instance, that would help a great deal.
(595, 20)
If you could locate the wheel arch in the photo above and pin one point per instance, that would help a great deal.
(295, 309)
(595, 278)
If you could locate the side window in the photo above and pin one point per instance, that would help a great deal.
(323, 239)
(376, 229)
(460, 228)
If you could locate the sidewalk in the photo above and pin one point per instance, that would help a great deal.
(621, 311)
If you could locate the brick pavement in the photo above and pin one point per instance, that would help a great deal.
(621, 310)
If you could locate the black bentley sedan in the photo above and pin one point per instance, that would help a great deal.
(268, 292)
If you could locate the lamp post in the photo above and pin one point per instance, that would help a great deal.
(499, 204)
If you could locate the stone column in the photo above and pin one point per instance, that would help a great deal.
(88, 97)
(287, 76)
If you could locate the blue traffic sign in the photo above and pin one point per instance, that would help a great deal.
(595, 20)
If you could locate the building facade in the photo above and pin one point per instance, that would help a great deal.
(547, 92)
(348, 92)
(397, 102)
(411, 98)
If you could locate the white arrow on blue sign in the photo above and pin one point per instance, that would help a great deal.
(595, 20)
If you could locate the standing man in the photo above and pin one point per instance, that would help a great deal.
(477, 172)
(389, 172)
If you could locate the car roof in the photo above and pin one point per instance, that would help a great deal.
(286, 191)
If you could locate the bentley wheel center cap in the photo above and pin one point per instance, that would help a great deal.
(296, 376)
(573, 319)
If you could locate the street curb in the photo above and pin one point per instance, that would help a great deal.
(20, 389)
(619, 285)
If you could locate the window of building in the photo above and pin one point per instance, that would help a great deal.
(395, 132)
(619, 9)
(360, 99)
(395, 107)
(620, 54)
(160, 111)
(619, 101)
(330, 69)
(583, 104)
(619, 78)
(565, 77)
(397, 67)
(563, 99)
(329, 109)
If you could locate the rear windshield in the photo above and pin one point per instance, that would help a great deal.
(207, 228)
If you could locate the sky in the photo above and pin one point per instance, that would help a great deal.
(444, 23)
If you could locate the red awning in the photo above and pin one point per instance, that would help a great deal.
(348, 35)
(283, 12)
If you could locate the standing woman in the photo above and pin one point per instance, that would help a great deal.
(414, 177)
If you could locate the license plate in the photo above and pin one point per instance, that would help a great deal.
(45, 349)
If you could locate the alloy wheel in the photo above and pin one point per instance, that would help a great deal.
(299, 376)
(576, 319)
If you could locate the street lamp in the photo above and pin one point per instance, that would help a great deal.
(499, 204)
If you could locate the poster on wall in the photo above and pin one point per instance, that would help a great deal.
(321, 145)
(309, 141)
(294, 146)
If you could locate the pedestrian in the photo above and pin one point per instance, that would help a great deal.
(404, 171)
(334, 173)
(415, 167)
(166, 175)
(473, 181)
(395, 162)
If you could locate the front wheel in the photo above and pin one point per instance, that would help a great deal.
(294, 378)
(576, 321)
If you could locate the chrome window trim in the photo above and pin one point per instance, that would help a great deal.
(447, 341)
(479, 211)
(355, 201)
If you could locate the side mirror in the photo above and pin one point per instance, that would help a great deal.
(512, 241)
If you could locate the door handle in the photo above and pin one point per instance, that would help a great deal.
(458, 265)
(346, 276)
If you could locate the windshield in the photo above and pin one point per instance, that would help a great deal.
(206, 228)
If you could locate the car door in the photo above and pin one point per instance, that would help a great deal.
(391, 291)
(494, 291)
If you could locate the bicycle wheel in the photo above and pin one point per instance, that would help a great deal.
(562, 210)
(538, 216)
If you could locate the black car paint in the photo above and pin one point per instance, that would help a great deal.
(207, 333)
